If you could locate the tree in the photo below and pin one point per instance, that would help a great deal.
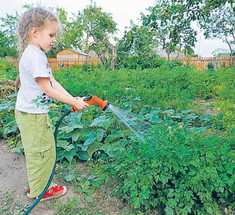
(221, 25)
(71, 35)
(216, 18)
(98, 28)
(197, 9)
(137, 41)
(220, 52)
(171, 25)
(188, 51)
(8, 35)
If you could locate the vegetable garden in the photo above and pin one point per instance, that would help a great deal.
(185, 166)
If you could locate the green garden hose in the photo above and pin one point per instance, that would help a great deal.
(53, 170)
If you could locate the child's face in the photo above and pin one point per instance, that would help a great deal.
(46, 37)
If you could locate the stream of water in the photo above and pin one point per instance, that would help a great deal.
(136, 125)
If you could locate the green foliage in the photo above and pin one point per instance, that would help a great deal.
(9, 206)
(78, 139)
(172, 27)
(8, 26)
(71, 207)
(225, 89)
(197, 10)
(138, 43)
(216, 18)
(139, 62)
(7, 122)
(175, 170)
(99, 26)
(168, 86)
(7, 70)
(7, 119)
(185, 163)
(194, 178)
(220, 25)
(5, 48)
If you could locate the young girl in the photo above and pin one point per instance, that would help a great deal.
(37, 33)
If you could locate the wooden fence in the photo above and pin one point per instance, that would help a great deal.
(57, 63)
(200, 63)
(203, 62)
(63, 63)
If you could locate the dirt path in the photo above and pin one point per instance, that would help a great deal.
(13, 178)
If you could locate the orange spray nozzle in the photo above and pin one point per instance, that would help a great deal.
(94, 100)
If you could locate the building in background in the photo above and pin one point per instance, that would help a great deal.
(71, 54)
(72, 57)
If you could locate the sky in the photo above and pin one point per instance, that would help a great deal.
(122, 11)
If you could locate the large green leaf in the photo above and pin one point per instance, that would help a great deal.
(83, 156)
(75, 134)
(186, 111)
(65, 145)
(110, 149)
(98, 121)
(93, 148)
(67, 154)
(102, 122)
(191, 116)
(155, 118)
(74, 123)
(114, 136)
(100, 134)
(90, 138)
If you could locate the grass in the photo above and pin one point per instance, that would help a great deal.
(8, 205)
(89, 198)
(69, 208)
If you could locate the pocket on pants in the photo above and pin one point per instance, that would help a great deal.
(43, 140)
(42, 146)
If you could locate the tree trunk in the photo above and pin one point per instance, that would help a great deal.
(232, 64)
(230, 48)
(114, 52)
(168, 53)
(102, 54)
(103, 58)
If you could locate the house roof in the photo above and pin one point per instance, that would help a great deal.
(75, 51)
(162, 53)
(78, 51)
(92, 53)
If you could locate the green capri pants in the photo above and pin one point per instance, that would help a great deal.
(39, 147)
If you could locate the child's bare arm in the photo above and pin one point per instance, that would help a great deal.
(54, 93)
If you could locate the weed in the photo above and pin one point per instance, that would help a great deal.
(9, 206)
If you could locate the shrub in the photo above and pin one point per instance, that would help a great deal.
(140, 62)
(7, 70)
(177, 171)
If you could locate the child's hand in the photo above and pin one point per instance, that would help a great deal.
(80, 103)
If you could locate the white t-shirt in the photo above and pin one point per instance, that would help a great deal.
(31, 98)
